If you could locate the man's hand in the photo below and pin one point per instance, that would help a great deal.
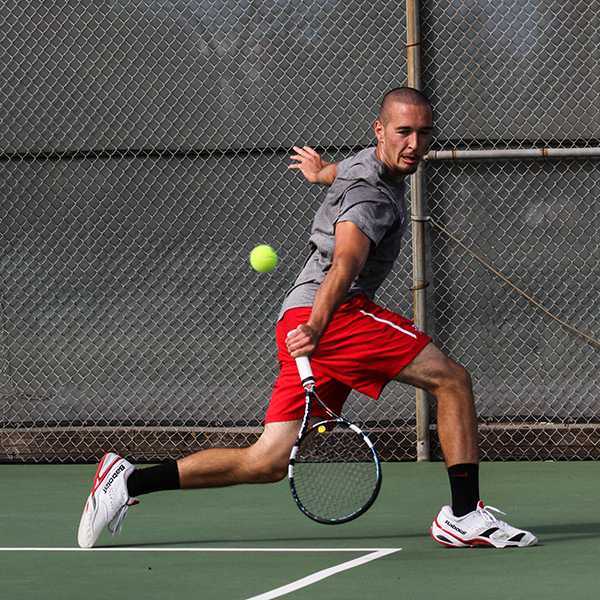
(302, 341)
(312, 166)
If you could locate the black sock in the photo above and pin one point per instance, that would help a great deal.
(464, 483)
(154, 479)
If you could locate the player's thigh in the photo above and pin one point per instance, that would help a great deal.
(429, 369)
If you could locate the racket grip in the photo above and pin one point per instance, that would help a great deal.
(304, 370)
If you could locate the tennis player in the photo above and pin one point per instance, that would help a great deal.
(329, 313)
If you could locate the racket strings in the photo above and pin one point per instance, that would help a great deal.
(335, 473)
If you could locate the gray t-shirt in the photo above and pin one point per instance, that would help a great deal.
(365, 194)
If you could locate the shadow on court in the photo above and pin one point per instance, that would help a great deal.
(547, 534)
(551, 534)
(366, 541)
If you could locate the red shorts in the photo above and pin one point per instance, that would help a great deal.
(363, 348)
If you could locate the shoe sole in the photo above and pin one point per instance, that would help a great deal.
(450, 540)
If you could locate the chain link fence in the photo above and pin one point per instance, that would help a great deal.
(525, 75)
(535, 381)
(513, 74)
(143, 154)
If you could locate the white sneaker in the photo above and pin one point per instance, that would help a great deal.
(478, 528)
(108, 501)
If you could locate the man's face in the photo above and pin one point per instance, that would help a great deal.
(404, 137)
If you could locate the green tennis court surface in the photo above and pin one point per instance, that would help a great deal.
(252, 542)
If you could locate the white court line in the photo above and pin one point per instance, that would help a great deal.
(373, 554)
(170, 549)
(319, 575)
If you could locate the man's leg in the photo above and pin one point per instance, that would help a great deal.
(451, 385)
(468, 522)
(117, 481)
(264, 462)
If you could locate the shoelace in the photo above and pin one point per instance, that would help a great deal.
(117, 523)
(487, 513)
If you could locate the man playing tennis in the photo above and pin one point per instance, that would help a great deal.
(354, 344)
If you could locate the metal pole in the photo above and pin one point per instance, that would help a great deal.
(417, 185)
(519, 153)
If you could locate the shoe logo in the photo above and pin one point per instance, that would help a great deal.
(112, 478)
(453, 526)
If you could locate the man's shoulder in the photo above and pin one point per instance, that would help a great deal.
(361, 166)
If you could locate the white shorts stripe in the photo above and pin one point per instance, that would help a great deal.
(412, 335)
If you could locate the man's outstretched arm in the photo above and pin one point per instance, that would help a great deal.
(312, 166)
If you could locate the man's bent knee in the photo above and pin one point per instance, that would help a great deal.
(433, 370)
(267, 459)
(458, 376)
(265, 470)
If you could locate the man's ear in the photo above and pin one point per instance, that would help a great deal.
(378, 129)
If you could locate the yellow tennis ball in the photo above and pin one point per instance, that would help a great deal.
(321, 429)
(263, 258)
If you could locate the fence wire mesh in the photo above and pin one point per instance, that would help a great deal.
(513, 74)
(518, 75)
(536, 382)
(143, 154)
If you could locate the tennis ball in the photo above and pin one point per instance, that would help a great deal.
(321, 429)
(263, 258)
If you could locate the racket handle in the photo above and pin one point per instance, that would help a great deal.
(304, 370)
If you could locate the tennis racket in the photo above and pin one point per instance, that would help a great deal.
(334, 471)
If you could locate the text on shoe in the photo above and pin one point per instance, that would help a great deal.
(453, 526)
(112, 478)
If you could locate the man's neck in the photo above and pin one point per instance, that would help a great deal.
(388, 171)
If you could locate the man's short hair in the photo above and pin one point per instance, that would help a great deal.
(405, 95)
